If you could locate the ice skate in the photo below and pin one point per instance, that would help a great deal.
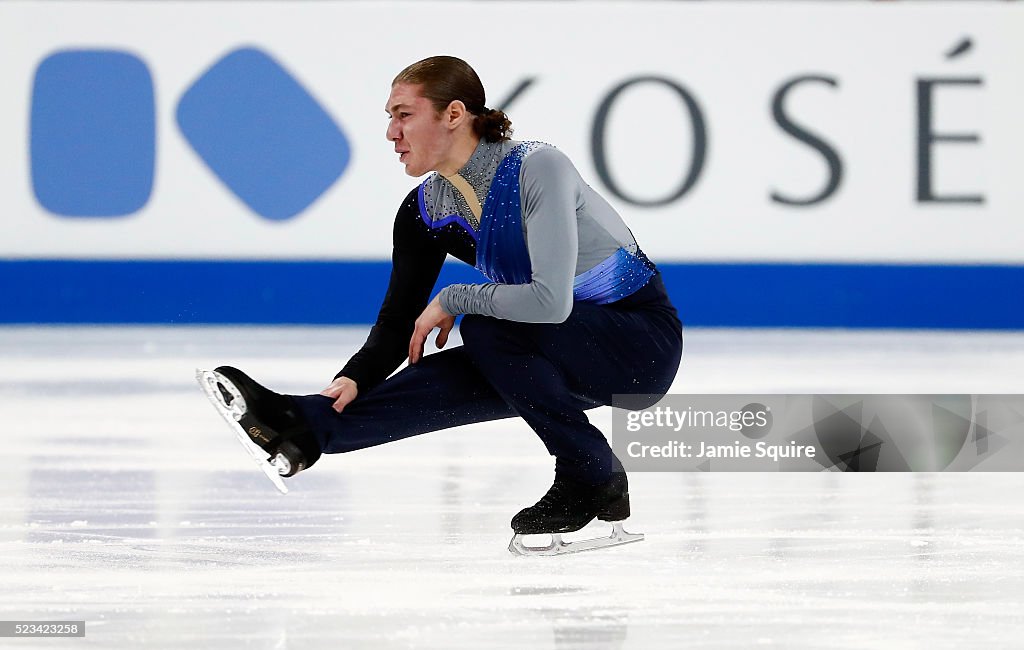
(265, 423)
(568, 506)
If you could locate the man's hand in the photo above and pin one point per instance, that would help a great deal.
(343, 390)
(433, 316)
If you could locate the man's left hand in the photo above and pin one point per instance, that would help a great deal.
(433, 316)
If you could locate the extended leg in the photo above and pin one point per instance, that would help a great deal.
(443, 390)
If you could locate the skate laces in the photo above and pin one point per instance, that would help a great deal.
(563, 491)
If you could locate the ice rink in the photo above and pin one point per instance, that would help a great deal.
(128, 504)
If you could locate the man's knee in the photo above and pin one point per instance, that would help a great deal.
(477, 330)
(490, 335)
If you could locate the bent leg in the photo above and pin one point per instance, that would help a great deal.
(443, 390)
(550, 373)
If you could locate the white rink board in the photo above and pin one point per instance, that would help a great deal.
(731, 57)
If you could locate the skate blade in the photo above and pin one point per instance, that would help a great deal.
(558, 546)
(232, 413)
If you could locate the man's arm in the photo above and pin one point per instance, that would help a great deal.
(416, 262)
(549, 184)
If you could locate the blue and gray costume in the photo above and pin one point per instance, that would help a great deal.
(574, 313)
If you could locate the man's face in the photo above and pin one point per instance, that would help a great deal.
(420, 135)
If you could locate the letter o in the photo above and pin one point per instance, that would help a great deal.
(597, 138)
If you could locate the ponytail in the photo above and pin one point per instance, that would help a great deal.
(493, 125)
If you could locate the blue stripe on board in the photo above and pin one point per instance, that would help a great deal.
(276, 292)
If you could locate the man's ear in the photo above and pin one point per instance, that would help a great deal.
(456, 114)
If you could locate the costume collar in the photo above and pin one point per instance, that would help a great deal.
(479, 170)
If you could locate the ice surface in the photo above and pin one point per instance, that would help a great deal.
(126, 502)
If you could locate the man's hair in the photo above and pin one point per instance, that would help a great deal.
(444, 79)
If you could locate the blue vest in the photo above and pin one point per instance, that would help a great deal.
(501, 252)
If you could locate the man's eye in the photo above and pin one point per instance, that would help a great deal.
(403, 114)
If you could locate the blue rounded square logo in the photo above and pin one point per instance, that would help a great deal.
(262, 134)
(93, 133)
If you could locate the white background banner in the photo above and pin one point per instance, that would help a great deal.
(803, 129)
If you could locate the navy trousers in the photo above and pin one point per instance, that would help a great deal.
(546, 373)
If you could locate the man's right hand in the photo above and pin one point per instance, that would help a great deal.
(343, 390)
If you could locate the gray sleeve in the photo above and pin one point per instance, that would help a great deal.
(550, 191)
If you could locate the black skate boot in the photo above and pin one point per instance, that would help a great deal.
(568, 506)
(268, 419)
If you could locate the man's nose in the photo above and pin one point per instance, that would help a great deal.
(393, 132)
